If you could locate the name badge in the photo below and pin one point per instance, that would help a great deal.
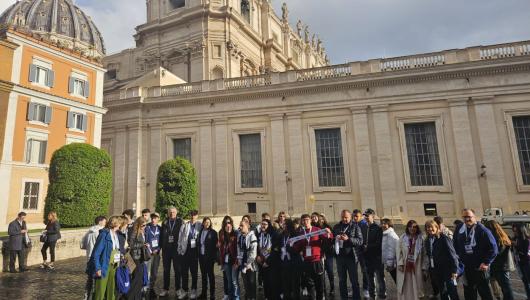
(202, 250)
(154, 243)
(410, 258)
(469, 249)
(171, 239)
(432, 262)
(308, 251)
(284, 251)
(193, 243)
(117, 258)
(226, 258)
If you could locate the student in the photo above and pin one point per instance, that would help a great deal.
(138, 250)
(441, 260)
(291, 263)
(105, 260)
(476, 248)
(311, 248)
(146, 213)
(372, 251)
(280, 222)
(328, 257)
(189, 254)
(228, 259)
(152, 238)
(500, 267)
(51, 234)
(169, 238)
(410, 263)
(17, 231)
(348, 235)
(521, 246)
(247, 250)
(207, 255)
(389, 246)
(358, 218)
(267, 259)
(87, 243)
(129, 215)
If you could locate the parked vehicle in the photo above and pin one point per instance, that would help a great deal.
(498, 215)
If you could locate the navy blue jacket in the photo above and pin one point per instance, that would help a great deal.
(153, 232)
(484, 251)
(100, 258)
(444, 257)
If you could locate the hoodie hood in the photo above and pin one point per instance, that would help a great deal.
(388, 231)
(95, 228)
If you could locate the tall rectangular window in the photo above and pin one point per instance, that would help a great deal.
(251, 167)
(330, 160)
(521, 126)
(182, 148)
(36, 151)
(31, 196)
(422, 154)
(39, 112)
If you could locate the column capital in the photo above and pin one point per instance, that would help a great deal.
(276, 117)
(379, 108)
(458, 101)
(207, 122)
(486, 99)
(294, 115)
(357, 110)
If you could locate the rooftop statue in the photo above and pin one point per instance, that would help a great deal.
(285, 12)
(299, 27)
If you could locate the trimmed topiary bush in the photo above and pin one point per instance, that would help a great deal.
(176, 186)
(80, 184)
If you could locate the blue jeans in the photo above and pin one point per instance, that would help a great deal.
(328, 266)
(503, 278)
(347, 266)
(231, 281)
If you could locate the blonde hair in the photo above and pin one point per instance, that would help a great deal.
(53, 216)
(432, 223)
(114, 221)
(137, 225)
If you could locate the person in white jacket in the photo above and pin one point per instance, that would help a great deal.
(410, 263)
(390, 243)
(87, 243)
(247, 251)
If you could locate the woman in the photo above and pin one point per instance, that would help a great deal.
(228, 259)
(521, 240)
(390, 243)
(441, 260)
(207, 256)
(409, 263)
(105, 260)
(138, 251)
(51, 235)
(329, 255)
(290, 263)
(500, 267)
(267, 259)
(280, 222)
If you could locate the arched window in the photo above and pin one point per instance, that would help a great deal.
(177, 3)
(245, 10)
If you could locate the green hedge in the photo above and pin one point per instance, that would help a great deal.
(176, 186)
(80, 184)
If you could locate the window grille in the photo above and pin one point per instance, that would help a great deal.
(182, 148)
(330, 162)
(31, 196)
(251, 167)
(422, 153)
(521, 126)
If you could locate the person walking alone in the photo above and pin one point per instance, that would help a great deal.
(18, 239)
(50, 236)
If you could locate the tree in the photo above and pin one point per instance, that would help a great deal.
(176, 186)
(80, 184)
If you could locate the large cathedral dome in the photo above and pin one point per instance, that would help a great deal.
(59, 22)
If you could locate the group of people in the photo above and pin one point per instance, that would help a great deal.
(290, 257)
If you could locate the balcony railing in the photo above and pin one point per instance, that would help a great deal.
(247, 82)
(324, 72)
(393, 64)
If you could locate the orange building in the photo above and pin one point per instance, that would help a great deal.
(51, 94)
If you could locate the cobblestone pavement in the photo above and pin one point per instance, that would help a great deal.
(67, 282)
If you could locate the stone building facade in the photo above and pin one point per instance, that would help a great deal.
(410, 137)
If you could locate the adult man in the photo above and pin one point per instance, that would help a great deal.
(476, 248)
(18, 240)
(311, 248)
(87, 243)
(247, 251)
(152, 238)
(146, 213)
(169, 239)
(348, 235)
(361, 222)
(372, 252)
(189, 253)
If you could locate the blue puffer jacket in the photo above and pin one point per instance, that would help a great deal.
(484, 251)
(100, 258)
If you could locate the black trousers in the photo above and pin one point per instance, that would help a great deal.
(137, 282)
(315, 279)
(375, 272)
(13, 254)
(477, 281)
(347, 267)
(190, 264)
(170, 258)
(249, 281)
(271, 282)
(207, 276)
(44, 249)
(290, 275)
(89, 285)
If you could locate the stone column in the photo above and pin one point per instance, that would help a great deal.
(206, 164)
(491, 153)
(385, 163)
(134, 151)
(221, 167)
(363, 155)
(154, 160)
(465, 155)
(297, 163)
(279, 193)
(120, 164)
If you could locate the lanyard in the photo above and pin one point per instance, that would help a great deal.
(192, 230)
(305, 232)
(154, 233)
(347, 229)
(171, 226)
(431, 240)
(114, 237)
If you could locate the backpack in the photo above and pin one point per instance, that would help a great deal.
(123, 280)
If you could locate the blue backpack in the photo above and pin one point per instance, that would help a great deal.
(123, 280)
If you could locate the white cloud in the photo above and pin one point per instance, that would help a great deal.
(358, 29)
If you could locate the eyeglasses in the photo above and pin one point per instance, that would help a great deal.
(467, 217)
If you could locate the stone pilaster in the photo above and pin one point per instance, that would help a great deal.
(205, 165)
(279, 193)
(134, 151)
(364, 157)
(221, 167)
(155, 159)
(120, 163)
(297, 163)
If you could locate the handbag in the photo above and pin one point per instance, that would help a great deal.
(43, 237)
(510, 262)
(130, 262)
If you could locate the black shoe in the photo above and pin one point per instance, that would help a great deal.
(24, 270)
(13, 271)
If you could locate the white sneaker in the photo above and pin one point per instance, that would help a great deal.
(225, 297)
(304, 292)
(163, 293)
(193, 294)
(182, 295)
(366, 294)
(350, 294)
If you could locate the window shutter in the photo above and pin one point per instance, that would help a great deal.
(48, 116)
(31, 111)
(32, 73)
(29, 144)
(86, 90)
(50, 78)
(42, 152)
(70, 85)
(70, 121)
(84, 122)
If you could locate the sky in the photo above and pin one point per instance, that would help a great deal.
(354, 30)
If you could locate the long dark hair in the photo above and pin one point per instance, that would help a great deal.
(224, 237)
(207, 219)
(415, 224)
(290, 229)
(499, 234)
(520, 231)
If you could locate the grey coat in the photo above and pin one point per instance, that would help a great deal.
(16, 237)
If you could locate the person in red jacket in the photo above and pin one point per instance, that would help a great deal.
(311, 248)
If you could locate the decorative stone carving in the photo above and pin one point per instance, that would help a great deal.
(306, 34)
(285, 13)
(299, 28)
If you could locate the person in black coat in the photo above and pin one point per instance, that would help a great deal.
(207, 257)
(268, 259)
(49, 237)
(17, 231)
(441, 261)
(169, 238)
(521, 247)
(372, 253)
(290, 262)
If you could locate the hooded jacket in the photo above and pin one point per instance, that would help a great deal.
(89, 240)
(185, 238)
(389, 245)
